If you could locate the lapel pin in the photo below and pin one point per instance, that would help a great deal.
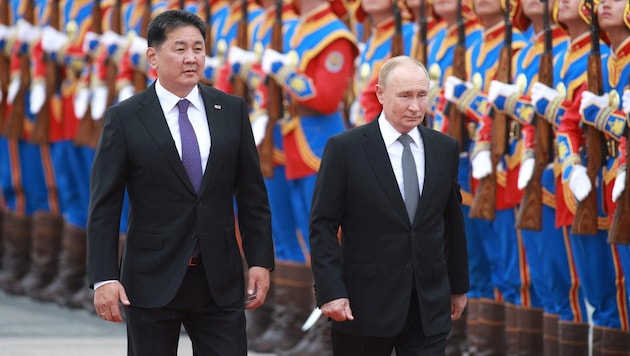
(217, 106)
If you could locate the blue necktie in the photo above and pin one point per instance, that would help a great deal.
(191, 158)
(411, 186)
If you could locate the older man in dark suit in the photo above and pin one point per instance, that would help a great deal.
(399, 274)
(183, 151)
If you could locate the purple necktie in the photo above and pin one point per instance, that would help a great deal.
(191, 158)
(190, 148)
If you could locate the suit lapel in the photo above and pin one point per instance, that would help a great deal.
(151, 115)
(216, 115)
(431, 160)
(376, 153)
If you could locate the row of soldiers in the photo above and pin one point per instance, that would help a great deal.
(535, 91)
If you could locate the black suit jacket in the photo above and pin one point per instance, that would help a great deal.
(167, 216)
(382, 253)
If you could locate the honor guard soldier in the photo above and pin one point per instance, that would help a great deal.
(560, 106)
(313, 71)
(549, 257)
(493, 242)
(391, 29)
(604, 112)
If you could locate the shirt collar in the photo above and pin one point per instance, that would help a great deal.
(391, 135)
(169, 100)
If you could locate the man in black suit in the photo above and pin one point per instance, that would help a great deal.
(399, 273)
(183, 151)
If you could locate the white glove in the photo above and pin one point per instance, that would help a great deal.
(525, 173)
(449, 87)
(541, 91)
(81, 100)
(355, 112)
(53, 40)
(138, 46)
(240, 56)
(619, 186)
(213, 62)
(90, 39)
(125, 92)
(579, 182)
(27, 33)
(481, 164)
(37, 97)
(110, 38)
(270, 57)
(4, 32)
(259, 127)
(589, 99)
(625, 100)
(98, 102)
(499, 88)
(14, 87)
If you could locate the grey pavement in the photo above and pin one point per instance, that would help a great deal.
(30, 328)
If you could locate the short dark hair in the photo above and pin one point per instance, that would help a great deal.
(169, 20)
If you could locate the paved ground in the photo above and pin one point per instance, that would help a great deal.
(29, 328)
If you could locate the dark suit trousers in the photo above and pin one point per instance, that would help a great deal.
(409, 342)
(213, 330)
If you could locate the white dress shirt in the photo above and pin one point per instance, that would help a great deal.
(196, 115)
(395, 150)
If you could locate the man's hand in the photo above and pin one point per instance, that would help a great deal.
(481, 164)
(81, 100)
(259, 128)
(106, 299)
(588, 99)
(458, 304)
(579, 182)
(525, 172)
(257, 287)
(271, 57)
(454, 87)
(625, 99)
(499, 92)
(37, 97)
(338, 309)
(619, 186)
(241, 56)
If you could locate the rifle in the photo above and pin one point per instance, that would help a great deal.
(85, 129)
(457, 123)
(139, 77)
(585, 219)
(15, 124)
(484, 203)
(208, 13)
(530, 213)
(41, 128)
(112, 72)
(4, 66)
(421, 49)
(274, 109)
(619, 232)
(242, 41)
(397, 41)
